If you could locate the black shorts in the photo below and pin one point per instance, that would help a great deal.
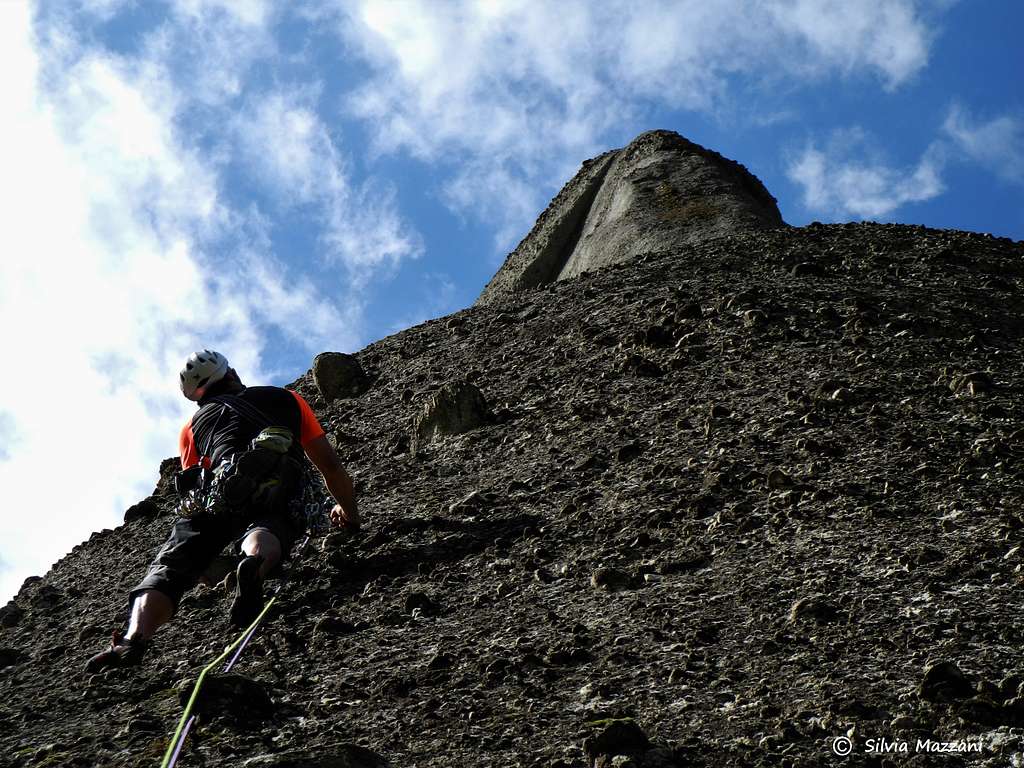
(194, 543)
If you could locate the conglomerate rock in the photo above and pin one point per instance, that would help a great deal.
(661, 192)
(455, 408)
(683, 539)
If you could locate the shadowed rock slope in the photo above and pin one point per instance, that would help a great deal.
(724, 504)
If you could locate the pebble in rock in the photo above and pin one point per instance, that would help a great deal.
(335, 539)
(474, 502)
(333, 756)
(754, 317)
(1013, 712)
(422, 602)
(979, 709)
(237, 696)
(615, 737)
(10, 656)
(332, 625)
(972, 383)
(339, 375)
(815, 607)
(1009, 685)
(904, 723)
(943, 680)
(779, 480)
(441, 660)
(146, 509)
(611, 579)
(807, 268)
(10, 615)
(843, 395)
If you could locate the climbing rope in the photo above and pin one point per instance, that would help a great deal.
(187, 718)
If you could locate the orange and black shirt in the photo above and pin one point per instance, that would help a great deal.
(217, 430)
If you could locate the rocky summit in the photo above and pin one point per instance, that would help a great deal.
(661, 192)
(751, 499)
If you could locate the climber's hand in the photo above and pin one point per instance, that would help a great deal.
(343, 519)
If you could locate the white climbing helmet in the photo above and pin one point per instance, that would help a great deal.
(201, 370)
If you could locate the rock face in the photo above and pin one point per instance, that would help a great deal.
(660, 192)
(334, 756)
(734, 501)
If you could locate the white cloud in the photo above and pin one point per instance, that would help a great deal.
(848, 178)
(997, 145)
(299, 312)
(478, 181)
(103, 9)
(293, 154)
(95, 327)
(517, 86)
(71, 303)
(887, 38)
(8, 436)
(286, 141)
(122, 120)
(250, 13)
(121, 255)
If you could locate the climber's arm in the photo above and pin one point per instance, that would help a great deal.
(339, 483)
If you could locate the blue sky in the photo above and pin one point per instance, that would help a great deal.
(274, 180)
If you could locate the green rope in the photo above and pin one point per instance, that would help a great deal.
(199, 682)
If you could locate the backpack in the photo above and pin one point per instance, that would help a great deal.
(261, 479)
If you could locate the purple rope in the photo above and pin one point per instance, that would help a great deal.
(181, 741)
(245, 642)
(188, 723)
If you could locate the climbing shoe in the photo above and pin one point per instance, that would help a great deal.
(123, 652)
(248, 600)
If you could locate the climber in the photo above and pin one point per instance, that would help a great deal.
(250, 487)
